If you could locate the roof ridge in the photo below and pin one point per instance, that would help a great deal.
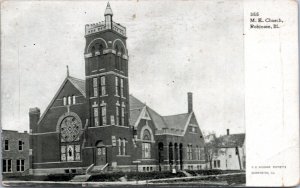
(76, 78)
(234, 134)
(176, 114)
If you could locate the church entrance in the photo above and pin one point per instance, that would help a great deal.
(100, 154)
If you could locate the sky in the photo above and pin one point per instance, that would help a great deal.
(174, 47)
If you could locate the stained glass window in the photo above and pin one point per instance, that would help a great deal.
(70, 128)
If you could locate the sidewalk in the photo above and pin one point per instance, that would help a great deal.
(93, 184)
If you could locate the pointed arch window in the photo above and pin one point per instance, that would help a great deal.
(100, 49)
(117, 58)
(121, 64)
(93, 51)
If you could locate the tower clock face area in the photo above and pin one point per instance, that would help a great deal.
(70, 128)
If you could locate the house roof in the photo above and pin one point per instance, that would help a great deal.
(232, 140)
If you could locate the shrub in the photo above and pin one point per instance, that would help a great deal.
(152, 175)
(114, 176)
(25, 178)
(59, 177)
(205, 172)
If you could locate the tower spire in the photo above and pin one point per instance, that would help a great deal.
(108, 10)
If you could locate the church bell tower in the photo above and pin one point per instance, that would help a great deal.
(106, 72)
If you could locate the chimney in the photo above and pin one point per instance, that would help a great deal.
(34, 116)
(190, 102)
(227, 131)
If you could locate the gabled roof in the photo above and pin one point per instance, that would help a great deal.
(232, 140)
(78, 84)
(157, 119)
(177, 121)
(137, 108)
(135, 103)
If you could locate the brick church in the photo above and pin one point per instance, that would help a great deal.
(95, 125)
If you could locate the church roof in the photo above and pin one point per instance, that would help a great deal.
(135, 103)
(178, 121)
(232, 140)
(79, 84)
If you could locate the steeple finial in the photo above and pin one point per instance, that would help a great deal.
(67, 71)
(108, 10)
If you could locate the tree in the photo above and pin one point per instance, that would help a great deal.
(211, 148)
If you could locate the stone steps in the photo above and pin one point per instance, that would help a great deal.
(80, 178)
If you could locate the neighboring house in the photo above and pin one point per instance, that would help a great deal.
(15, 153)
(227, 152)
(96, 123)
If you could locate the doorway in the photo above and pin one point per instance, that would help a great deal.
(100, 154)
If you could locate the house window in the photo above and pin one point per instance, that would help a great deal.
(117, 85)
(20, 165)
(93, 51)
(192, 129)
(198, 153)
(124, 146)
(123, 115)
(117, 115)
(6, 165)
(6, 145)
(146, 146)
(96, 118)
(202, 154)
(103, 87)
(122, 87)
(95, 87)
(103, 114)
(189, 152)
(77, 152)
(101, 49)
(217, 163)
(236, 150)
(20, 145)
(117, 58)
(63, 156)
(70, 152)
(121, 64)
(65, 101)
(74, 99)
(69, 100)
(119, 146)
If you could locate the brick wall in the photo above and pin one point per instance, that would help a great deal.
(14, 153)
